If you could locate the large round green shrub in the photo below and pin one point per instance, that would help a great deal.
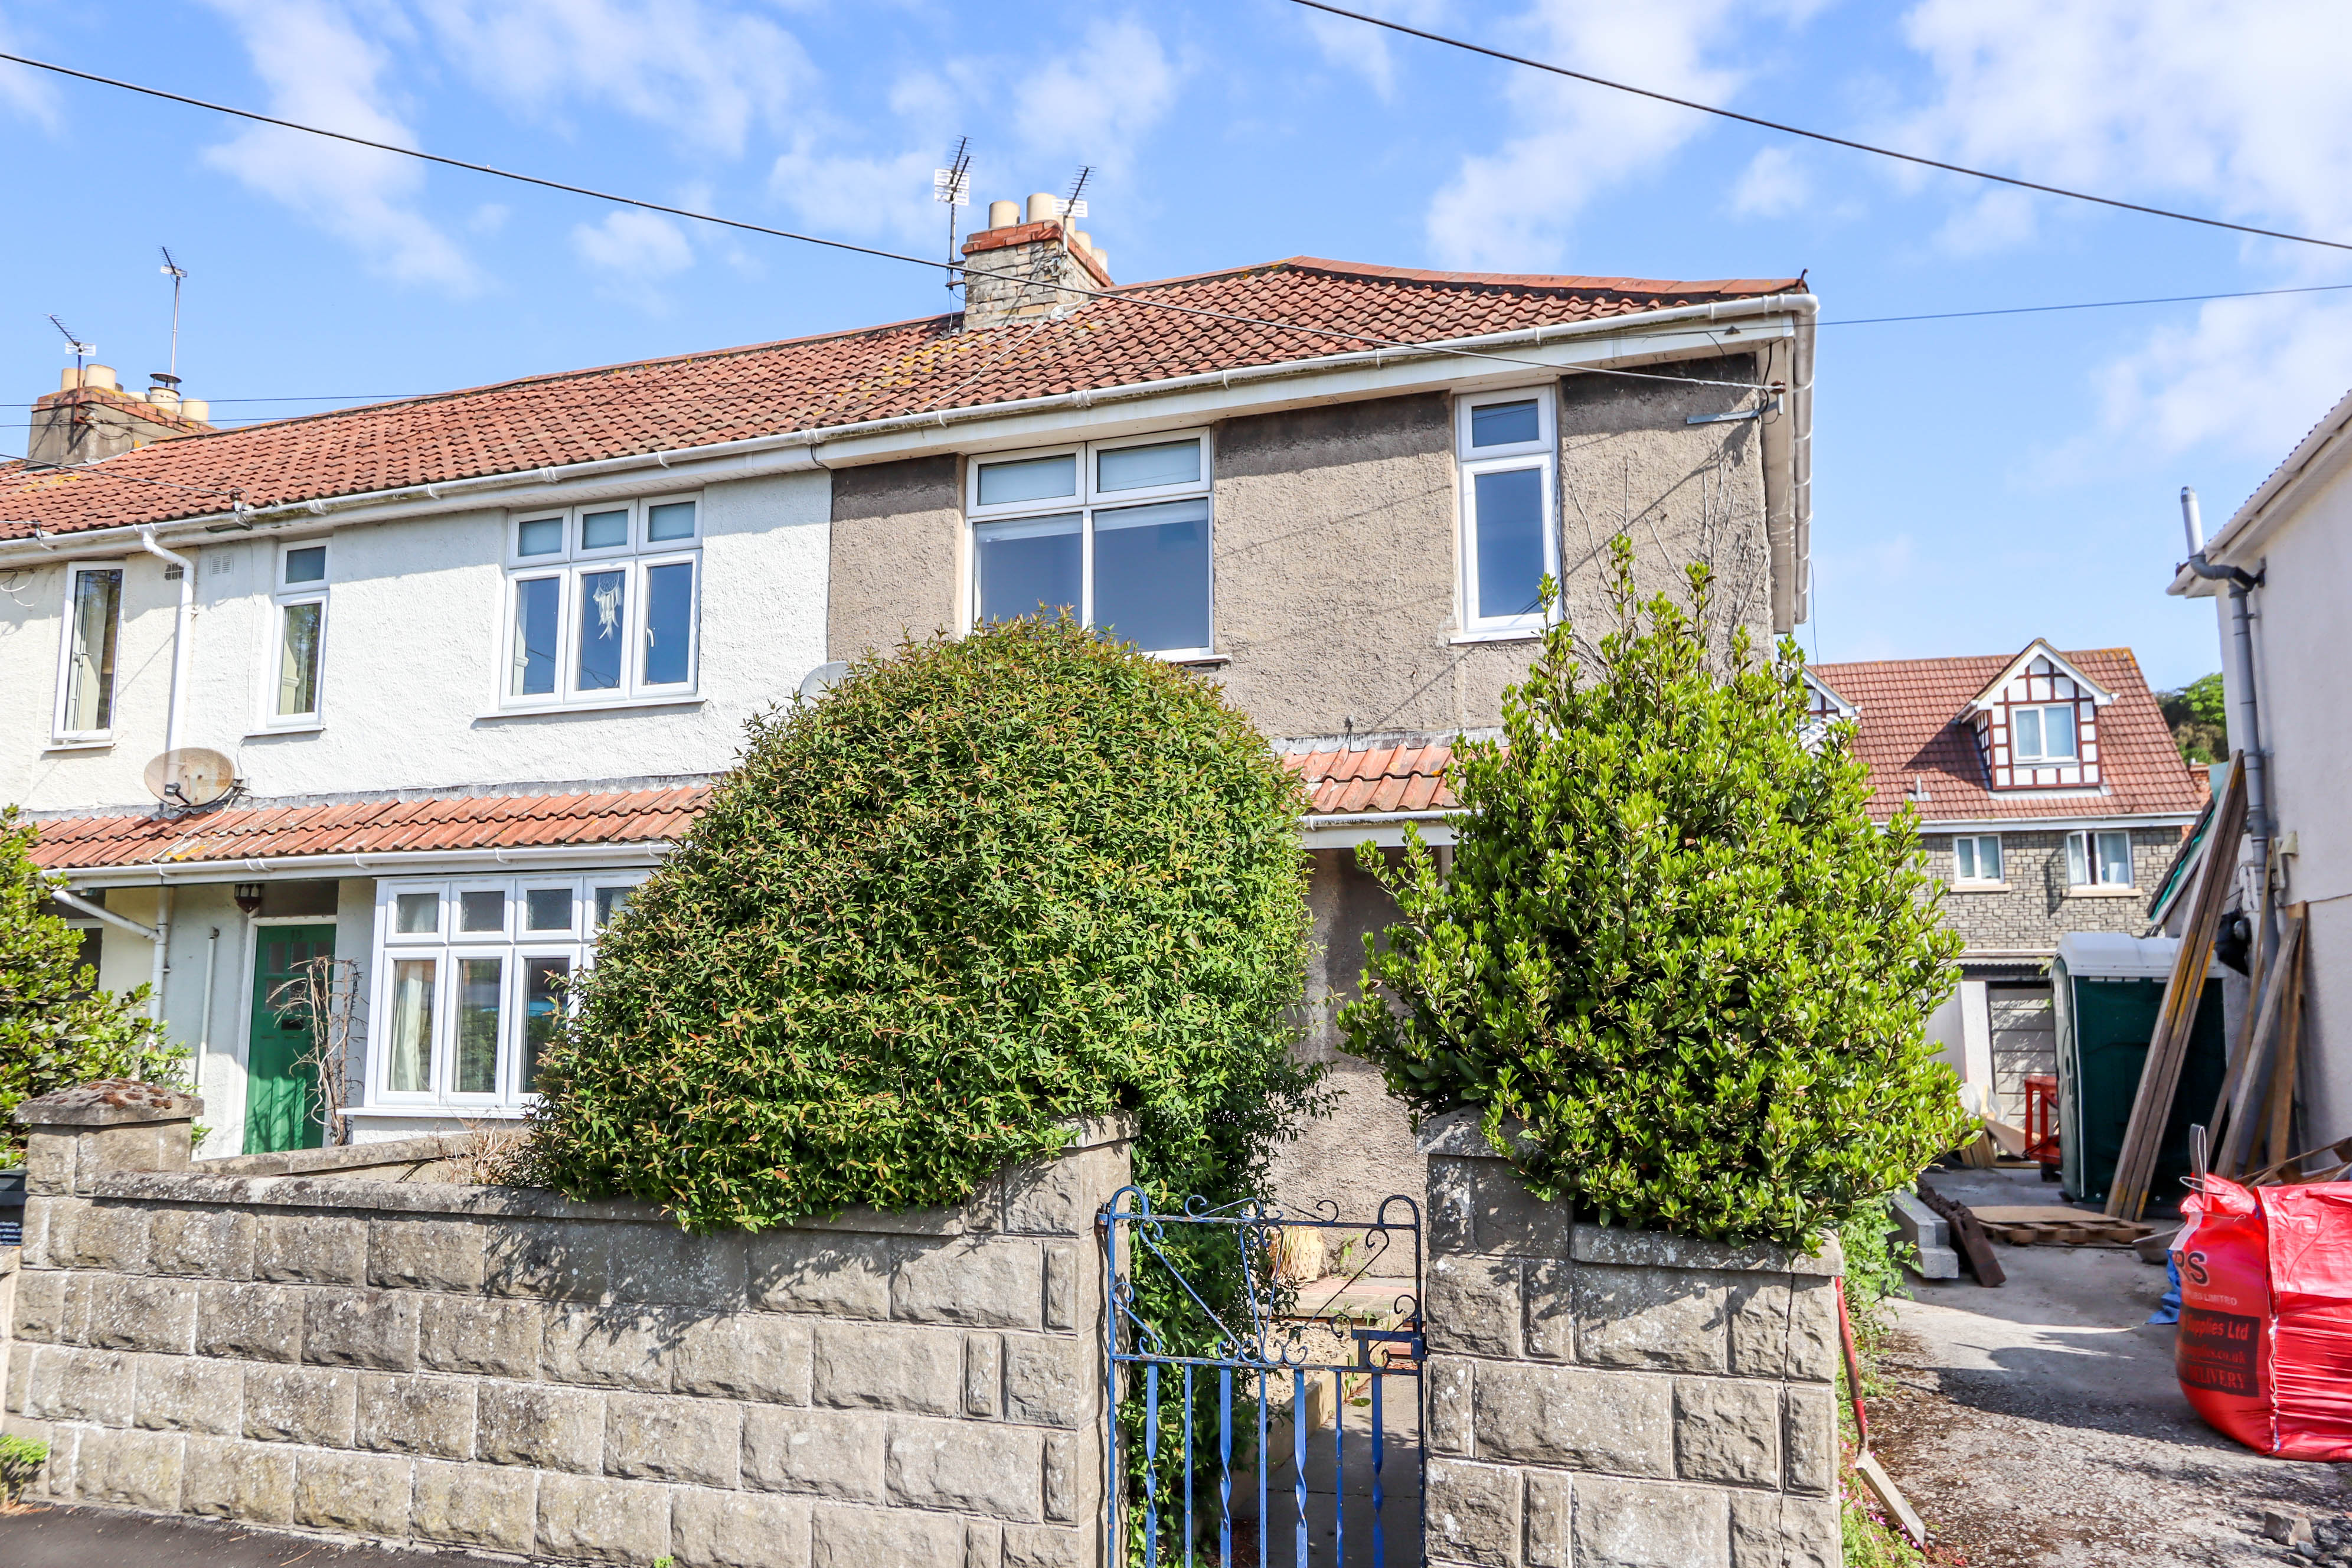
(1681, 972)
(983, 887)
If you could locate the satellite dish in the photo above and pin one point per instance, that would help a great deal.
(190, 775)
(822, 679)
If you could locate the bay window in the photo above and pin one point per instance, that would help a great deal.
(1114, 532)
(1504, 444)
(93, 626)
(601, 603)
(471, 976)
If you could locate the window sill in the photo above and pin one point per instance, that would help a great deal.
(1979, 887)
(467, 1112)
(98, 745)
(1531, 634)
(2103, 892)
(540, 711)
(266, 731)
(1194, 660)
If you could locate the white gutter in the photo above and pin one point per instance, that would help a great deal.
(1373, 819)
(797, 450)
(2052, 823)
(100, 912)
(179, 636)
(303, 868)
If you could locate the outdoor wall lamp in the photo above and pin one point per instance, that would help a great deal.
(248, 896)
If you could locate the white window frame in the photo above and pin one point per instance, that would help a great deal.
(2088, 838)
(1978, 841)
(1473, 461)
(58, 733)
(1088, 499)
(570, 566)
(2017, 755)
(448, 946)
(284, 596)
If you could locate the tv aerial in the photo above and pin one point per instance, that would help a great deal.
(190, 777)
(952, 185)
(81, 350)
(178, 275)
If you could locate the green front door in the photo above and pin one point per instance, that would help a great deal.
(281, 1104)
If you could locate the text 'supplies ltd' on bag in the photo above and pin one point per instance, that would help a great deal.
(2265, 1346)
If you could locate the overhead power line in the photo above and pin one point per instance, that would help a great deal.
(1787, 130)
(1112, 296)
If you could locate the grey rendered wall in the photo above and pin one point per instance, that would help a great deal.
(1603, 1398)
(500, 1368)
(897, 540)
(2034, 909)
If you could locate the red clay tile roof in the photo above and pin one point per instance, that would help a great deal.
(814, 382)
(1909, 730)
(1408, 775)
(1380, 778)
(377, 827)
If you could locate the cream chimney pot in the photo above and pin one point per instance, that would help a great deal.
(196, 411)
(1082, 239)
(1041, 207)
(100, 376)
(1004, 215)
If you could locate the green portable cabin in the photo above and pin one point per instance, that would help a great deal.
(2108, 989)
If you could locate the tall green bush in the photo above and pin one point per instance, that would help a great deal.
(56, 1027)
(1672, 945)
(985, 886)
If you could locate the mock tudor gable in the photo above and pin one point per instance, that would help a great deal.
(2037, 723)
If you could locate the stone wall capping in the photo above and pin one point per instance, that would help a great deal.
(108, 1102)
(1462, 1135)
(1657, 1250)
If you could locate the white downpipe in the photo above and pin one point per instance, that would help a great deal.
(100, 912)
(162, 965)
(180, 618)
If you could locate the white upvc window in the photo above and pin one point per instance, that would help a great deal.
(2042, 735)
(1505, 444)
(299, 636)
(87, 652)
(1116, 532)
(603, 604)
(1976, 858)
(2099, 858)
(470, 981)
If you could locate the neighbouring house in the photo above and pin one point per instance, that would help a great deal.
(475, 658)
(2287, 553)
(2050, 799)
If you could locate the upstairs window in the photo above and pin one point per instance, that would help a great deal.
(1504, 444)
(601, 603)
(301, 609)
(1114, 532)
(471, 976)
(1975, 858)
(93, 618)
(2042, 735)
(2098, 859)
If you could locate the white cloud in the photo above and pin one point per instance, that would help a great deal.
(2250, 378)
(2240, 107)
(634, 246)
(866, 196)
(1774, 185)
(320, 71)
(1362, 48)
(1095, 111)
(1512, 208)
(27, 92)
(704, 73)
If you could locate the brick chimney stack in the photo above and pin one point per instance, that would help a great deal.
(1032, 261)
(90, 417)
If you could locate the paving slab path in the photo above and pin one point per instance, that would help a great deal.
(104, 1538)
(2040, 1425)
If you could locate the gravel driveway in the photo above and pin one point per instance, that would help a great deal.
(2040, 1423)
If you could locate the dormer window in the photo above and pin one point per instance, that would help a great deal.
(2042, 735)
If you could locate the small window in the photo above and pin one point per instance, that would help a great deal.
(306, 564)
(2041, 734)
(669, 521)
(540, 536)
(93, 627)
(484, 910)
(1029, 479)
(607, 530)
(546, 908)
(417, 914)
(1509, 540)
(611, 901)
(1977, 857)
(2099, 859)
(1149, 467)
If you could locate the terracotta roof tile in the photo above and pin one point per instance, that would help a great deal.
(1909, 732)
(807, 384)
(1345, 780)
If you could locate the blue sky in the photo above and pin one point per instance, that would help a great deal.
(1977, 483)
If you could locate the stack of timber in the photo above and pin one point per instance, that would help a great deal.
(2046, 1225)
(2252, 1120)
(2159, 1077)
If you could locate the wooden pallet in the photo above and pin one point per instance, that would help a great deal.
(2047, 1225)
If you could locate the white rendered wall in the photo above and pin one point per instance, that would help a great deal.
(411, 662)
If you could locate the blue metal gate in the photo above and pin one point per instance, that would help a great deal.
(1233, 1375)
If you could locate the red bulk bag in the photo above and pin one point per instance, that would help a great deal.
(2265, 1347)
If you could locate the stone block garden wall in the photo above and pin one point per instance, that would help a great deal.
(1601, 1398)
(502, 1368)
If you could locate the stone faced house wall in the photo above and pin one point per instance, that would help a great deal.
(502, 1368)
(2034, 907)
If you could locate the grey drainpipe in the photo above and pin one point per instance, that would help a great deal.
(2241, 640)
